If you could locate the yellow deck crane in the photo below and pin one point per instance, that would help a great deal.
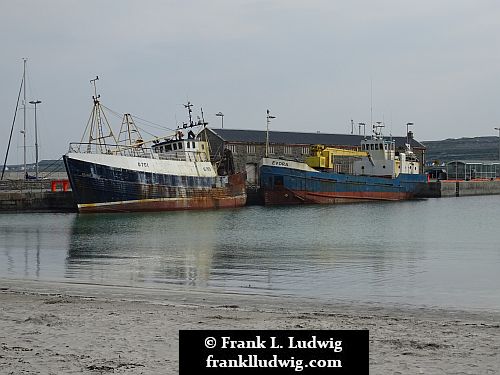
(337, 159)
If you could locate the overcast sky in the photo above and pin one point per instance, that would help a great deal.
(313, 63)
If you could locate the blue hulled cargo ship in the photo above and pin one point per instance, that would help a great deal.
(332, 175)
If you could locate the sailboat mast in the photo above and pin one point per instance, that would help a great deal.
(24, 113)
(12, 129)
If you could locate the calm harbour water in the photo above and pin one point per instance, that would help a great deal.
(436, 252)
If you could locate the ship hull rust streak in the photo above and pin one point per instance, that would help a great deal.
(101, 188)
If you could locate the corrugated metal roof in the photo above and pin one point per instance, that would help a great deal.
(483, 162)
(280, 137)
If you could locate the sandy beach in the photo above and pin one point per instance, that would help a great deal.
(72, 328)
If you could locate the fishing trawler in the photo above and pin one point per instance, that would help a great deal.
(123, 174)
(332, 175)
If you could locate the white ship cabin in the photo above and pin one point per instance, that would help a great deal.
(379, 148)
(382, 159)
(190, 149)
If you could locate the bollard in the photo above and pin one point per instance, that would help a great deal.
(55, 184)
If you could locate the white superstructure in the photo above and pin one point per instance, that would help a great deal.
(382, 159)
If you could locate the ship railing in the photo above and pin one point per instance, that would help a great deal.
(141, 152)
(183, 156)
(111, 149)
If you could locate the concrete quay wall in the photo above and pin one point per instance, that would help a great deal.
(41, 201)
(467, 188)
(448, 188)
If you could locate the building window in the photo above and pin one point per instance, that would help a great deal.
(288, 150)
(271, 150)
(250, 149)
(305, 150)
(232, 148)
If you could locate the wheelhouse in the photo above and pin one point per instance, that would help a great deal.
(182, 149)
(379, 148)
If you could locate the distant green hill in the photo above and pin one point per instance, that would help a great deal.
(477, 148)
(43, 166)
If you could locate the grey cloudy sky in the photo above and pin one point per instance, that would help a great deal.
(435, 63)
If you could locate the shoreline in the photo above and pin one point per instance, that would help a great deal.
(67, 327)
(152, 294)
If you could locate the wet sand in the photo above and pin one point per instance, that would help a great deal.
(72, 328)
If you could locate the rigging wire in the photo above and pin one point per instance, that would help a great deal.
(141, 120)
(50, 165)
(148, 133)
(152, 124)
(12, 128)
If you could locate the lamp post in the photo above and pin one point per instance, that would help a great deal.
(268, 118)
(221, 115)
(408, 124)
(35, 102)
(498, 142)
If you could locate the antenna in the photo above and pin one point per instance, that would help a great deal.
(188, 106)
(408, 124)
(205, 131)
(92, 81)
(352, 126)
(371, 101)
(204, 123)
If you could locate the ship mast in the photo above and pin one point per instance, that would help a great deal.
(95, 126)
(24, 115)
(205, 132)
(377, 130)
(130, 140)
(188, 106)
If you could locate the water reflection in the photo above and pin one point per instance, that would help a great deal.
(412, 252)
(33, 245)
(156, 247)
